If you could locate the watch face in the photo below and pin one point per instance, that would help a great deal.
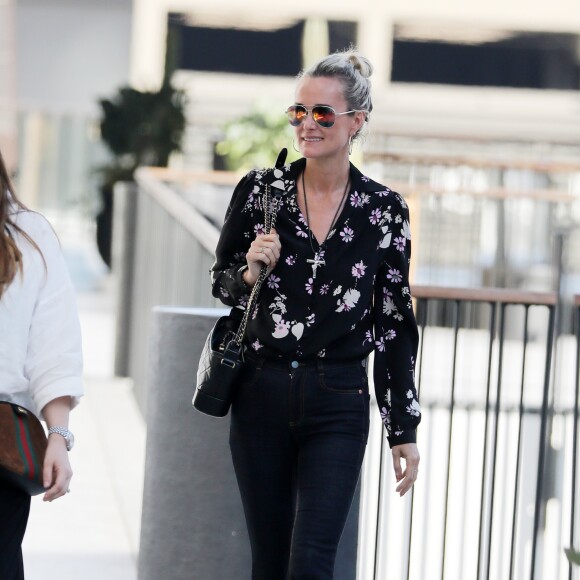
(68, 437)
(70, 441)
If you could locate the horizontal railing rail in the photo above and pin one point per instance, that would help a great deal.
(488, 295)
(180, 210)
(553, 166)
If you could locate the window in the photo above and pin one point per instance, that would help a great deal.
(477, 57)
(274, 49)
(237, 50)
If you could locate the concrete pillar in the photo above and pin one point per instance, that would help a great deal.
(123, 258)
(192, 521)
(193, 526)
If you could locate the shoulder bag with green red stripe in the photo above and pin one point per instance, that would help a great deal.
(22, 448)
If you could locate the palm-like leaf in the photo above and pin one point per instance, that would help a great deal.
(573, 556)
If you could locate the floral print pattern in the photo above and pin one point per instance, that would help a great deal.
(342, 299)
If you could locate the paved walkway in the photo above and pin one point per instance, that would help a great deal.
(93, 532)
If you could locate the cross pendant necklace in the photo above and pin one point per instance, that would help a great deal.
(318, 259)
(316, 262)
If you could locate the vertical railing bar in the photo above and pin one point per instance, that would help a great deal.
(465, 511)
(575, 443)
(542, 442)
(379, 504)
(422, 324)
(519, 444)
(428, 454)
(493, 306)
(496, 430)
(560, 244)
(410, 532)
(449, 443)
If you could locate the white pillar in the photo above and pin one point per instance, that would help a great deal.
(376, 43)
(148, 44)
(315, 42)
(8, 138)
(33, 136)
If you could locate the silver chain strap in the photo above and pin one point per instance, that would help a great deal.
(271, 207)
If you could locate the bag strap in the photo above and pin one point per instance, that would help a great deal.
(271, 208)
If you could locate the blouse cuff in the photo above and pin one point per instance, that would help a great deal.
(403, 437)
(240, 279)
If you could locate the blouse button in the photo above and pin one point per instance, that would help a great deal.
(294, 364)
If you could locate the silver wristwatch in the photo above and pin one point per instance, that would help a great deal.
(68, 436)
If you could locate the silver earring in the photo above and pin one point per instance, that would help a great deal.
(350, 143)
(294, 145)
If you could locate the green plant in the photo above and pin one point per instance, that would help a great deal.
(141, 128)
(255, 139)
(573, 556)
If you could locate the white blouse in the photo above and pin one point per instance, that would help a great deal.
(40, 337)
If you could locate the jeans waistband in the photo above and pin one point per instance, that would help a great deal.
(291, 363)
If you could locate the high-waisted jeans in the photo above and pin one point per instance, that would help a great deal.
(298, 437)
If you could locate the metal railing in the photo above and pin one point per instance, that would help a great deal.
(498, 484)
(499, 391)
(501, 201)
(167, 245)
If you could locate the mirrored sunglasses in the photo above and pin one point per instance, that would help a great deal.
(324, 115)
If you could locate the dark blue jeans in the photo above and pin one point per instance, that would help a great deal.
(298, 437)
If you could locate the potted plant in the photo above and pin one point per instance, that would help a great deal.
(139, 128)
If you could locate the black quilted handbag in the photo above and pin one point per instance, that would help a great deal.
(222, 357)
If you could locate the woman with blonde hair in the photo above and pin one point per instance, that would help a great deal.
(40, 356)
(337, 290)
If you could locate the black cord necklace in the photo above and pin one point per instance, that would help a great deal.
(318, 259)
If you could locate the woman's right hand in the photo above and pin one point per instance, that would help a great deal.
(265, 249)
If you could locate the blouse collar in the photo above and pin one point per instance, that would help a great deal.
(284, 178)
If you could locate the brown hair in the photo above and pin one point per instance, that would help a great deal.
(10, 254)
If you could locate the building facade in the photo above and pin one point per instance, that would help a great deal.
(506, 71)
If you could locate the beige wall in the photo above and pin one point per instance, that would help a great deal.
(8, 83)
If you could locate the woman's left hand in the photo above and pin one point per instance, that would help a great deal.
(406, 478)
(57, 471)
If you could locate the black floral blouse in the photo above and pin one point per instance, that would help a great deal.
(358, 301)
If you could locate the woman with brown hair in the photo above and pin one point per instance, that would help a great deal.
(40, 355)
